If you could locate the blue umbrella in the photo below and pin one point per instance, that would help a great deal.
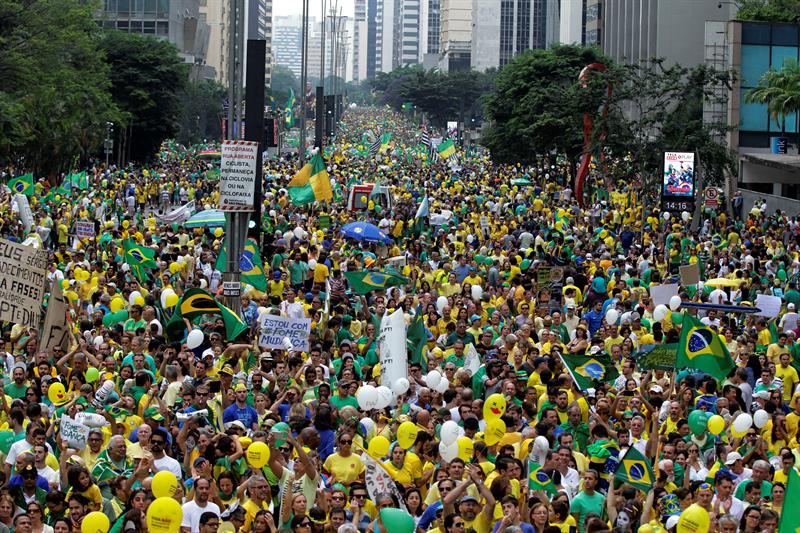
(210, 218)
(364, 232)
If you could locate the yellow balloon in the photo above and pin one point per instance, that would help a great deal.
(126, 224)
(466, 448)
(495, 429)
(139, 300)
(716, 424)
(164, 515)
(56, 393)
(257, 454)
(371, 205)
(364, 199)
(72, 296)
(495, 407)
(171, 300)
(174, 267)
(694, 519)
(218, 232)
(407, 434)
(95, 522)
(65, 284)
(378, 446)
(82, 275)
(116, 304)
(164, 484)
(737, 434)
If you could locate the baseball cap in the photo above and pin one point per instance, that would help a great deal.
(763, 395)
(594, 350)
(152, 412)
(237, 424)
(656, 388)
(226, 369)
(790, 307)
(468, 498)
(240, 387)
(732, 457)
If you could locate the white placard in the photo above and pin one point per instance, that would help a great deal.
(22, 283)
(84, 229)
(770, 305)
(472, 361)
(378, 480)
(237, 175)
(25, 213)
(275, 328)
(73, 432)
(660, 294)
(392, 346)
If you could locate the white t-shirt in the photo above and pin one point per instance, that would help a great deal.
(52, 477)
(192, 513)
(168, 463)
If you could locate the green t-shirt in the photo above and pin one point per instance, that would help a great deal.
(16, 392)
(343, 402)
(131, 326)
(766, 489)
(583, 504)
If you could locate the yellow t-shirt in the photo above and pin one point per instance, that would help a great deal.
(251, 510)
(790, 379)
(344, 469)
(567, 525)
(320, 273)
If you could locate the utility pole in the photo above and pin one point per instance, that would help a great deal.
(303, 81)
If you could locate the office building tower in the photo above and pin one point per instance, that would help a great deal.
(456, 34)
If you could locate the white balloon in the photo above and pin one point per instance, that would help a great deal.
(98, 340)
(760, 418)
(685, 216)
(299, 232)
(675, 302)
(401, 386)
(194, 339)
(442, 386)
(449, 432)
(384, 396)
(700, 285)
(441, 303)
(203, 283)
(448, 452)
(166, 292)
(470, 238)
(133, 296)
(626, 317)
(477, 292)
(312, 264)
(180, 260)
(367, 397)
(667, 215)
(742, 423)
(660, 312)
(369, 427)
(433, 378)
(611, 316)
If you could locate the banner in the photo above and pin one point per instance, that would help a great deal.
(25, 213)
(23, 278)
(392, 346)
(84, 229)
(177, 216)
(378, 480)
(275, 328)
(73, 432)
(55, 331)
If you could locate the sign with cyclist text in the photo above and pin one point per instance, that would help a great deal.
(678, 181)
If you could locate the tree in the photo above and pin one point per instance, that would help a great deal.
(147, 77)
(769, 10)
(282, 79)
(54, 99)
(537, 104)
(780, 91)
(201, 107)
(446, 96)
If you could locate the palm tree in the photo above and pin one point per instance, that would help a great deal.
(780, 90)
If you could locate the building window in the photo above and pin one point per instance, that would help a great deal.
(162, 28)
(506, 31)
(523, 25)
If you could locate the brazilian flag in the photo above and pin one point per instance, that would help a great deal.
(367, 280)
(539, 480)
(197, 302)
(589, 370)
(702, 349)
(417, 337)
(138, 257)
(22, 184)
(635, 470)
(79, 180)
(250, 265)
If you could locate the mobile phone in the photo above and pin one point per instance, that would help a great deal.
(628, 393)
(215, 386)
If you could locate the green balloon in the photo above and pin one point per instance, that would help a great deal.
(677, 318)
(489, 261)
(92, 375)
(281, 429)
(6, 440)
(108, 320)
(378, 209)
(478, 258)
(781, 275)
(697, 422)
(120, 316)
(525, 264)
(397, 520)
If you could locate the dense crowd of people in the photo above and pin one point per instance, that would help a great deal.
(528, 395)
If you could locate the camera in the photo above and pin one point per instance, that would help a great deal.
(185, 417)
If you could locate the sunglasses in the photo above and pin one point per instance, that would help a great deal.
(285, 450)
(345, 442)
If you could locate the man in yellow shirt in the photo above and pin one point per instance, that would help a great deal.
(258, 492)
(776, 349)
(481, 520)
(787, 374)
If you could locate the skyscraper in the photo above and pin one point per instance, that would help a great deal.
(430, 29)
(456, 34)
(407, 34)
(287, 43)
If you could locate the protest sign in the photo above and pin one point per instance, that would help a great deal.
(275, 328)
(25, 213)
(392, 346)
(770, 305)
(379, 481)
(660, 294)
(237, 176)
(84, 229)
(472, 361)
(74, 433)
(55, 332)
(22, 282)
(690, 274)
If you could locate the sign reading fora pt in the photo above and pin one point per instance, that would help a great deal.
(237, 175)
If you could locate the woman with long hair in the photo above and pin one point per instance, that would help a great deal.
(414, 504)
(539, 516)
(339, 465)
(36, 514)
(751, 520)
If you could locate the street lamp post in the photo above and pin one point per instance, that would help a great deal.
(303, 81)
(108, 142)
